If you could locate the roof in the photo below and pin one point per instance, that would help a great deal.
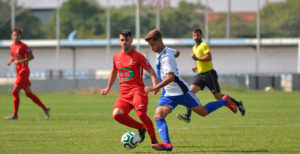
(167, 41)
(39, 4)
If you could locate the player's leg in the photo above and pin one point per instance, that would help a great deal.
(141, 104)
(161, 113)
(37, 101)
(191, 101)
(218, 95)
(214, 87)
(194, 89)
(238, 103)
(198, 84)
(34, 98)
(120, 113)
(16, 103)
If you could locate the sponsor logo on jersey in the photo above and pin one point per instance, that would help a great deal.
(147, 62)
(29, 50)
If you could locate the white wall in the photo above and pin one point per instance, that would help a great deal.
(226, 59)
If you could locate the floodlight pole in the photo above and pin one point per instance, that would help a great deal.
(57, 53)
(298, 69)
(257, 37)
(157, 14)
(137, 25)
(108, 32)
(12, 5)
(206, 22)
(228, 19)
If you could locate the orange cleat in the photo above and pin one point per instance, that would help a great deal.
(163, 146)
(230, 104)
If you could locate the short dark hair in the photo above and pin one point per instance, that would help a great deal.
(17, 30)
(126, 33)
(197, 30)
(153, 34)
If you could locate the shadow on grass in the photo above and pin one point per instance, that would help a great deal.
(247, 151)
(225, 151)
(194, 146)
(201, 149)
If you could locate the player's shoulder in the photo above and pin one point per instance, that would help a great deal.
(169, 52)
(23, 44)
(134, 52)
(117, 54)
(137, 54)
(204, 43)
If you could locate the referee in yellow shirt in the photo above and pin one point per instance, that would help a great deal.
(207, 76)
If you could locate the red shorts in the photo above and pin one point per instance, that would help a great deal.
(136, 102)
(22, 82)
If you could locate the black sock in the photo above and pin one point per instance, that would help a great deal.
(188, 113)
(235, 101)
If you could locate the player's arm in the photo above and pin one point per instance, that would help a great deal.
(112, 78)
(167, 80)
(153, 77)
(30, 57)
(206, 57)
(11, 60)
(177, 54)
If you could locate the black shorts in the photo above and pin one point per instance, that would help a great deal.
(208, 79)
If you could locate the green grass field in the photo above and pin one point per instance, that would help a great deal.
(83, 123)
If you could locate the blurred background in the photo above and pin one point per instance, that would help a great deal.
(255, 43)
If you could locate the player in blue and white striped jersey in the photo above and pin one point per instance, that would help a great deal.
(175, 90)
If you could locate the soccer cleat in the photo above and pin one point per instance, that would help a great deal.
(47, 112)
(163, 146)
(142, 134)
(12, 117)
(241, 107)
(183, 117)
(230, 104)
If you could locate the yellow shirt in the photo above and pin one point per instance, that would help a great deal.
(199, 51)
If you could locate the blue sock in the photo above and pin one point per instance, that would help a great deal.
(212, 106)
(163, 130)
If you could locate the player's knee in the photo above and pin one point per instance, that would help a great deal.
(141, 114)
(15, 92)
(28, 94)
(118, 111)
(118, 116)
(157, 116)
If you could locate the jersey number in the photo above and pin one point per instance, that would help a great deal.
(124, 71)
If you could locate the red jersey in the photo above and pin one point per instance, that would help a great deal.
(18, 52)
(130, 69)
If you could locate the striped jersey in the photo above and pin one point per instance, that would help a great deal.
(166, 63)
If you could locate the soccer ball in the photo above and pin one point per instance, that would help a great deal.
(130, 140)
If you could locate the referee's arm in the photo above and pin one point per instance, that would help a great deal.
(206, 57)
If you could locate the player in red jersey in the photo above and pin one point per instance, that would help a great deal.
(129, 64)
(21, 55)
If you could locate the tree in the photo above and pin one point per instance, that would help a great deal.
(180, 22)
(31, 25)
(78, 15)
(281, 19)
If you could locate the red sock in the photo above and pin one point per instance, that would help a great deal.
(36, 100)
(125, 119)
(147, 124)
(16, 101)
